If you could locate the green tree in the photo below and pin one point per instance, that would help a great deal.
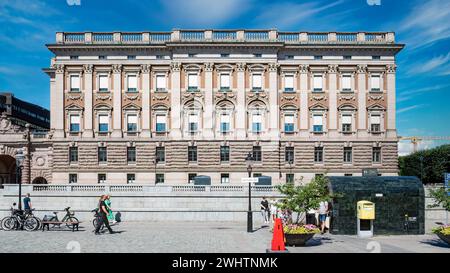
(441, 198)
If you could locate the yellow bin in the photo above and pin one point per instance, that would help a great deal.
(366, 210)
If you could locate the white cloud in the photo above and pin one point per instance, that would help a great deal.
(438, 65)
(412, 92)
(405, 147)
(409, 108)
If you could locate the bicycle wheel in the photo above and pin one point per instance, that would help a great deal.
(30, 224)
(39, 225)
(70, 220)
(9, 223)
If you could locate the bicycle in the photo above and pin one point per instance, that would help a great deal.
(20, 219)
(69, 218)
(96, 219)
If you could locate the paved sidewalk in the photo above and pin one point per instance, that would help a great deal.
(187, 237)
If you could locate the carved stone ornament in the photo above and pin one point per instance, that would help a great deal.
(132, 97)
(103, 97)
(74, 97)
(391, 68)
(117, 68)
(347, 97)
(6, 125)
(379, 97)
(361, 68)
(240, 67)
(332, 68)
(303, 68)
(318, 98)
(145, 68)
(88, 68)
(40, 161)
(225, 96)
(209, 67)
(160, 97)
(273, 67)
(59, 68)
(175, 66)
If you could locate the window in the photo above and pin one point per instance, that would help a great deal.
(224, 55)
(317, 57)
(257, 153)
(191, 55)
(224, 178)
(132, 83)
(131, 154)
(161, 123)
(375, 57)
(375, 83)
(346, 83)
(257, 174)
(289, 154)
(257, 55)
(74, 57)
(132, 123)
(101, 178)
(74, 83)
(131, 178)
(73, 178)
(102, 57)
(256, 123)
(160, 82)
(73, 154)
(224, 123)
(346, 123)
(103, 123)
(318, 154)
(131, 57)
(103, 83)
(225, 82)
(347, 154)
(192, 153)
(160, 154)
(191, 178)
(102, 155)
(290, 178)
(193, 123)
(74, 123)
(192, 82)
(376, 154)
(289, 83)
(289, 57)
(375, 123)
(348, 174)
(317, 83)
(256, 82)
(347, 57)
(159, 178)
(289, 123)
(160, 57)
(317, 123)
(224, 153)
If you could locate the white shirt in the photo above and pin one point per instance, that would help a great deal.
(323, 207)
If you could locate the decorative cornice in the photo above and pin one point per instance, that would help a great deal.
(332, 68)
(391, 68)
(240, 67)
(59, 68)
(361, 68)
(209, 67)
(303, 68)
(175, 66)
(88, 68)
(273, 67)
(117, 68)
(145, 68)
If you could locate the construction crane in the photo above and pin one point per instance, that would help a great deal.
(416, 139)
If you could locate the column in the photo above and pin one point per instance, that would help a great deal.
(57, 103)
(145, 73)
(390, 90)
(175, 102)
(304, 111)
(88, 131)
(208, 132)
(241, 107)
(362, 111)
(332, 90)
(117, 101)
(274, 110)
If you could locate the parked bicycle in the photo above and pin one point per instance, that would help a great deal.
(20, 219)
(68, 219)
(97, 217)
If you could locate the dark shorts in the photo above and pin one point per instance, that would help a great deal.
(322, 217)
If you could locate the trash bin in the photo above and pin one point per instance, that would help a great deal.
(365, 216)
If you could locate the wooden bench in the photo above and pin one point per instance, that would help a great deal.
(47, 224)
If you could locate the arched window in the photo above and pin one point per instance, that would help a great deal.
(257, 112)
(192, 117)
(224, 117)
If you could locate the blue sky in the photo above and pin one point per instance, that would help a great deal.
(423, 74)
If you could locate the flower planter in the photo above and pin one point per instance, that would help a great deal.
(297, 239)
(445, 238)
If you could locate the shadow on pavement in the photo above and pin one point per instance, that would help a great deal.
(435, 242)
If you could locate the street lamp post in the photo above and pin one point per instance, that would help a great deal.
(19, 167)
(249, 160)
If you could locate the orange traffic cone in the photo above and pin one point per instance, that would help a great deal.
(278, 237)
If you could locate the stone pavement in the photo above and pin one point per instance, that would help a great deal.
(187, 237)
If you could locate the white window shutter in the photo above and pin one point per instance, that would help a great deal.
(347, 119)
(132, 119)
(160, 119)
(257, 80)
(317, 120)
(289, 81)
(132, 81)
(375, 119)
(193, 118)
(257, 118)
(75, 119)
(224, 80)
(193, 80)
(103, 119)
(225, 118)
(103, 82)
(75, 81)
(375, 82)
(289, 119)
(160, 82)
(346, 82)
(318, 81)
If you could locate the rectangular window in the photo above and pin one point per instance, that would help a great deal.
(317, 83)
(317, 57)
(73, 154)
(160, 154)
(74, 123)
(256, 82)
(290, 178)
(159, 179)
(318, 154)
(257, 153)
(224, 178)
(257, 55)
(160, 82)
(347, 57)
(318, 123)
(102, 57)
(161, 121)
(193, 123)
(346, 123)
(225, 82)
(224, 123)
(289, 57)
(192, 82)
(131, 178)
(376, 154)
(224, 153)
(73, 178)
(289, 154)
(131, 154)
(192, 153)
(347, 154)
(131, 57)
(103, 123)
(102, 155)
(375, 122)
(375, 57)
(74, 83)
(132, 123)
(256, 123)
(74, 57)
(101, 178)
(289, 83)
(191, 178)
(375, 82)
(346, 83)
(289, 123)
(103, 83)
(132, 83)
(224, 55)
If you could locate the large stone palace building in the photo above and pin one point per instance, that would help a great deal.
(164, 107)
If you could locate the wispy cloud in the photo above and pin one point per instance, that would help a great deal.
(439, 65)
(413, 92)
(409, 108)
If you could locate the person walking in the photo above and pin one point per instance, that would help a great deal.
(27, 203)
(273, 210)
(103, 219)
(323, 211)
(111, 218)
(265, 210)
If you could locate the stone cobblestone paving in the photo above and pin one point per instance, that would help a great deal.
(188, 237)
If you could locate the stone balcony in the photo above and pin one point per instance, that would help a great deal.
(224, 36)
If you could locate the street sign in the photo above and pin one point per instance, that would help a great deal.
(249, 180)
(447, 183)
